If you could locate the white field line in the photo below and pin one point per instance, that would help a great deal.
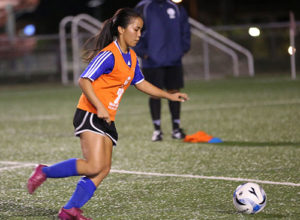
(228, 106)
(16, 165)
(22, 165)
(205, 177)
(188, 108)
(33, 118)
(244, 105)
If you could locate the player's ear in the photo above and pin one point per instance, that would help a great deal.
(121, 30)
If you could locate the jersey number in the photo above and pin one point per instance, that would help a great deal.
(119, 93)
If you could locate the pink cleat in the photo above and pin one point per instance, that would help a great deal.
(36, 179)
(71, 214)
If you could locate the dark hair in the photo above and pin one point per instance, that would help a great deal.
(109, 30)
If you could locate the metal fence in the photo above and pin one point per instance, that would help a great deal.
(41, 59)
(29, 58)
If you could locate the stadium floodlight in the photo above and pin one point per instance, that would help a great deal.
(95, 3)
(254, 31)
(291, 50)
(29, 30)
(177, 1)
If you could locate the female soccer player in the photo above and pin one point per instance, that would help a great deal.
(113, 67)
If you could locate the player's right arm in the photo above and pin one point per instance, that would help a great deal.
(86, 86)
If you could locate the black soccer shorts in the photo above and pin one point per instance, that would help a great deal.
(87, 121)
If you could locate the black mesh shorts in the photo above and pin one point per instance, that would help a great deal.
(87, 121)
(169, 77)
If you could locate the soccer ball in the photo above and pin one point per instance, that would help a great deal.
(249, 198)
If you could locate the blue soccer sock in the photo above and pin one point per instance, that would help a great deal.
(62, 169)
(84, 191)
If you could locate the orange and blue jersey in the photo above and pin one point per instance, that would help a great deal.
(111, 73)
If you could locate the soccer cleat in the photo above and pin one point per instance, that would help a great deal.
(71, 214)
(36, 179)
(157, 135)
(178, 134)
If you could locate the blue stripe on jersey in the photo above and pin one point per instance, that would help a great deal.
(102, 63)
(99, 60)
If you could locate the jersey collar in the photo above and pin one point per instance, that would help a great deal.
(116, 43)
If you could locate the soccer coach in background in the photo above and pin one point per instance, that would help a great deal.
(165, 39)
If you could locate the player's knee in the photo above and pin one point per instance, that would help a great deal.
(95, 169)
(106, 170)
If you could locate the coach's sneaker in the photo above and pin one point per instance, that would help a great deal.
(157, 135)
(36, 179)
(178, 134)
(71, 214)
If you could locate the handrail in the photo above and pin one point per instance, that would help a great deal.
(222, 47)
(226, 41)
(84, 21)
(63, 48)
(87, 23)
(92, 25)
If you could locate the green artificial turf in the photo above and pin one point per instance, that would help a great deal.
(258, 120)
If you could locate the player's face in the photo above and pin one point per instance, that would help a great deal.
(132, 33)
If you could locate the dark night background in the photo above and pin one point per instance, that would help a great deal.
(210, 12)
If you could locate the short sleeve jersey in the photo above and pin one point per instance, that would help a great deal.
(111, 73)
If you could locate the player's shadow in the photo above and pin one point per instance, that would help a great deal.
(259, 144)
(16, 210)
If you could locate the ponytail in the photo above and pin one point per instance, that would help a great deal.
(109, 31)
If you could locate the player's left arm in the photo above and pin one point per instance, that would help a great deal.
(152, 90)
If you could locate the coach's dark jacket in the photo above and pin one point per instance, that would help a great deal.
(166, 35)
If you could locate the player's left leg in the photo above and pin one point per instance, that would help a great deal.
(59, 170)
(97, 152)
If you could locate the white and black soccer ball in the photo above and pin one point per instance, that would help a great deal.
(249, 198)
